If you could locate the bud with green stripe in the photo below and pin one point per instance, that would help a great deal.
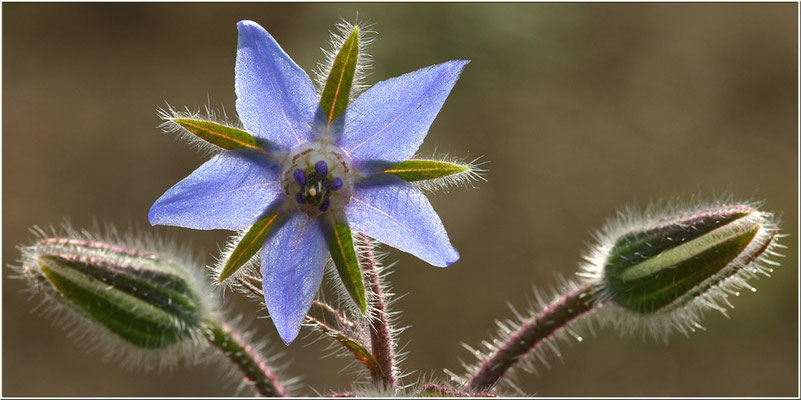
(658, 272)
(144, 308)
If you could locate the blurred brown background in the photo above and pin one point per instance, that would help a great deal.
(580, 109)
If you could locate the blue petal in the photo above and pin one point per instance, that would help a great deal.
(275, 97)
(292, 264)
(394, 212)
(388, 122)
(230, 191)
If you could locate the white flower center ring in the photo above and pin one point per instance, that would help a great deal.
(318, 178)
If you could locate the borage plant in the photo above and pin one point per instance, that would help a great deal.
(312, 180)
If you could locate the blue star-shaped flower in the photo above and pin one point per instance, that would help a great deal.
(307, 168)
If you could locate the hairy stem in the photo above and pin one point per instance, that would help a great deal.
(329, 321)
(434, 390)
(531, 334)
(255, 369)
(380, 334)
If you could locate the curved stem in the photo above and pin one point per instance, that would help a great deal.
(532, 332)
(329, 321)
(255, 369)
(380, 333)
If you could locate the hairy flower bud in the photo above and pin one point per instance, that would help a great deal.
(679, 264)
(148, 300)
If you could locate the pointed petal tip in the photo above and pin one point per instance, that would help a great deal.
(458, 63)
(287, 332)
(287, 342)
(450, 260)
(246, 23)
(453, 260)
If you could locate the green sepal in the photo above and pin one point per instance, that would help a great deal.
(247, 247)
(420, 170)
(149, 308)
(340, 244)
(347, 333)
(221, 136)
(336, 92)
(698, 271)
(665, 266)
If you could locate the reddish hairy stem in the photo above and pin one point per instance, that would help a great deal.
(331, 322)
(255, 369)
(380, 335)
(532, 333)
(434, 390)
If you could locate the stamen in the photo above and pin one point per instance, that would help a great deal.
(326, 204)
(323, 178)
(300, 177)
(336, 184)
(322, 169)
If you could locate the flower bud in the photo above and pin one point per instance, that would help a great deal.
(146, 299)
(668, 263)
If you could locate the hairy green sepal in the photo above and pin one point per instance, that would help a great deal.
(221, 136)
(247, 247)
(144, 300)
(348, 334)
(340, 244)
(420, 170)
(336, 92)
(649, 270)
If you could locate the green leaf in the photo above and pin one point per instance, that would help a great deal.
(219, 135)
(336, 92)
(340, 244)
(247, 247)
(420, 170)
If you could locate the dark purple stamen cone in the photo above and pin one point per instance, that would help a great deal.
(299, 197)
(336, 184)
(326, 204)
(322, 169)
(300, 177)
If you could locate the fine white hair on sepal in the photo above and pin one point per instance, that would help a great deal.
(250, 267)
(132, 247)
(168, 115)
(474, 172)
(686, 312)
(364, 64)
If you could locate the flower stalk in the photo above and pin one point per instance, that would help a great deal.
(531, 333)
(330, 321)
(654, 273)
(380, 334)
(236, 349)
